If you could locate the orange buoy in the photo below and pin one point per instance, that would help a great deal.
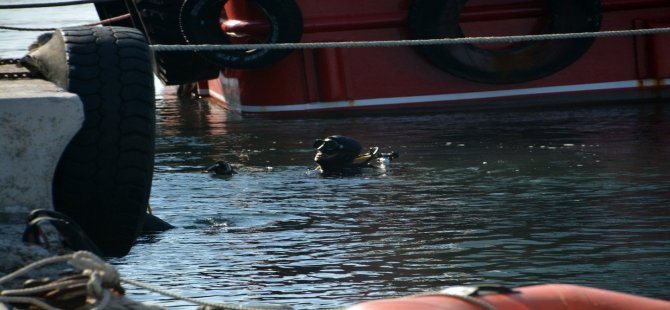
(545, 297)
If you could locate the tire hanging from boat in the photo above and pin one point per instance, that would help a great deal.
(103, 179)
(161, 22)
(519, 62)
(200, 22)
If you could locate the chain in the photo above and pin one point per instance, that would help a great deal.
(9, 61)
(17, 75)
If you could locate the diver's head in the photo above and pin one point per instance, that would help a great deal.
(221, 168)
(336, 152)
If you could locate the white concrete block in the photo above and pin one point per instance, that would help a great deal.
(37, 121)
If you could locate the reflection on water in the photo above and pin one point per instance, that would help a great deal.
(510, 197)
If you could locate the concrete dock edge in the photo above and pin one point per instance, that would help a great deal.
(37, 121)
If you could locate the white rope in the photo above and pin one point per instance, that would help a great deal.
(28, 300)
(39, 289)
(97, 275)
(199, 302)
(35, 265)
(395, 43)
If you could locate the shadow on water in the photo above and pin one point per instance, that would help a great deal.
(510, 197)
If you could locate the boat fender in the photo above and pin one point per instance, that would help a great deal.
(518, 62)
(200, 24)
(160, 21)
(103, 178)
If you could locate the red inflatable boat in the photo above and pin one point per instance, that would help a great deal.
(540, 297)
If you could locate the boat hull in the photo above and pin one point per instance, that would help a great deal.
(357, 80)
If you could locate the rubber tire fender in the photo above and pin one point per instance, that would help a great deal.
(519, 62)
(161, 22)
(199, 20)
(103, 178)
(160, 19)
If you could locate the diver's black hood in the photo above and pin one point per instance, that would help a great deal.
(335, 152)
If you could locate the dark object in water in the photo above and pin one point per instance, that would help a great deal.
(153, 224)
(221, 168)
(341, 154)
(41, 221)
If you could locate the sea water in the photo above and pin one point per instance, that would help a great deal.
(514, 197)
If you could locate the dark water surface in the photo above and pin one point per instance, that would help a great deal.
(510, 197)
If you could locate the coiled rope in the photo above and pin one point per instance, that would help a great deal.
(396, 43)
(97, 271)
(98, 276)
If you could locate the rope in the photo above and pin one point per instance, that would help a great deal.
(396, 43)
(28, 300)
(96, 275)
(26, 29)
(50, 4)
(33, 266)
(111, 20)
(102, 22)
(97, 272)
(199, 302)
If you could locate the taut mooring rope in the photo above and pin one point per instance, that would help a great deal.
(395, 43)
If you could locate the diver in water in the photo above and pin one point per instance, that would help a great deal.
(221, 168)
(341, 155)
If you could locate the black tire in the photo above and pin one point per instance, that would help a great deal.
(200, 24)
(520, 62)
(103, 179)
(161, 22)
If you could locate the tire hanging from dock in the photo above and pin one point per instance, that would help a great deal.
(103, 179)
(200, 22)
(520, 62)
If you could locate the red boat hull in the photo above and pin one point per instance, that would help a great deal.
(353, 80)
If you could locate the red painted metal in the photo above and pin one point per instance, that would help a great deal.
(316, 81)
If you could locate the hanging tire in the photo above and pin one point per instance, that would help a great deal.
(161, 22)
(103, 179)
(200, 25)
(519, 62)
